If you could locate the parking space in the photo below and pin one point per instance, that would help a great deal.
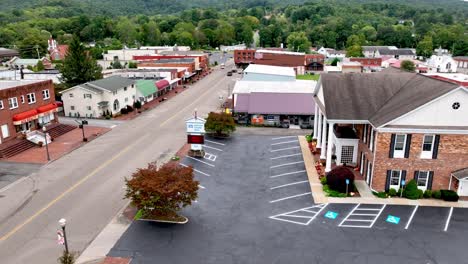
(255, 206)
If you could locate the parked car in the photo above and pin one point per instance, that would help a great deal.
(285, 123)
(223, 66)
(234, 70)
(229, 73)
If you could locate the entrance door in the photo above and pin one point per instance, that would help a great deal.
(26, 126)
(463, 187)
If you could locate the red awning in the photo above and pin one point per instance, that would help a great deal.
(162, 84)
(20, 118)
(47, 108)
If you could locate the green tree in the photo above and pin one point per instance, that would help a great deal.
(220, 124)
(150, 34)
(298, 41)
(78, 66)
(126, 30)
(425, 47)
(40, 66)
(184, 38)
(369, 33)
(335, 62)
(408, 65)
(354, 51)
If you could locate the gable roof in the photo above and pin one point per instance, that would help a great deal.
(378, 97)
(110, 84)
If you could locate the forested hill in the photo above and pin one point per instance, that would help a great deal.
(152, 7)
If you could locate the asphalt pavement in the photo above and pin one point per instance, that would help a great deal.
(86, 186)
(255, 206)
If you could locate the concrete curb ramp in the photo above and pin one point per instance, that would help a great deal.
(320, 197)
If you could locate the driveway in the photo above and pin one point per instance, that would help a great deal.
(254, 206)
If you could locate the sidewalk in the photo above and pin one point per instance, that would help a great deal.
(320, 197)
(59, 147)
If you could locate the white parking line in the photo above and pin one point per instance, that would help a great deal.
(297, 214)
(201, 161)
(448, 219)
(284, 137)
(285, 142)
(201, 186)
(289, 184)
(275, 150)
(286, 164)
(113, 126)
(213, 148)
(357, 209)
(286, 156)
(411, 217)
(288, 173)
(290, 197)
(201, 172)
(214, 142)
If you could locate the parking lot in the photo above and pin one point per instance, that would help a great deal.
(255, 206)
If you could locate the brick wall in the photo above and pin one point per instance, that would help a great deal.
(452, 155)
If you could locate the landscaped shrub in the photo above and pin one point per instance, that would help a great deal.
(332, 193)
(137, 104)
(392, 192)
(428, 194)
(382, 195)
(123, 111)
(129, 108)
(399, 192)
(411, 190)
(336, 179)
(323, 180)
(436, 194)
(420, 193)
(449, 195)
(308, 138)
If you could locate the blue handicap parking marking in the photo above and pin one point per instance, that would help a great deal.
(331, 215)
(393, 219)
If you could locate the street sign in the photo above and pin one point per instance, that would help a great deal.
(393, 219)
(331, 215)
(60, 238)
(347, 181)
(403, 182)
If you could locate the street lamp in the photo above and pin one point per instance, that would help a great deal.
(63, 223)
(81, 125)
(44, 128)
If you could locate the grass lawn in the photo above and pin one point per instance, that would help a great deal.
(310, 77)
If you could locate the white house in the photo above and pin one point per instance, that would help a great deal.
(331, 53)
(92, 99)
(441, 63)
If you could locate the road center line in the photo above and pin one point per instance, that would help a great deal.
(275, 150)
(201, 161)
(288, 173)
(286, 164)
(448, 219)
(212, 148)
(214, 142)
(285, 142)
(285, 156)
(290, 197)
(58, 198)
(289, 184)
(411, 217)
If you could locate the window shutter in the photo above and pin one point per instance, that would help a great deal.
(387, 182)
(416, 173)
(429, 180)
(392, 146)
(408, 145)
(435, 151)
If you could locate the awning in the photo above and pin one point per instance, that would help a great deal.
(46, 109)
(189, 75)
(24, 117)
(146, 87)
(174, 80)
(460, 174)
(162, 84)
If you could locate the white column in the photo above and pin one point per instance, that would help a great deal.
(315, 121)
(319, 130)
(329, 147)
(323, 151)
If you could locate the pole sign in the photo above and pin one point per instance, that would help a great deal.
(195, 128)
(195, 125)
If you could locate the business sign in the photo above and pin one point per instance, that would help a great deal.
(195, 139)
(196, 146)
(195, 125)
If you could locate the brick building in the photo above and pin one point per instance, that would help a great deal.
(394, 126)
(369, 64)
(25, 106)
(282, 58)
(314, 62)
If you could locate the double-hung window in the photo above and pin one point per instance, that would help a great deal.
(422, 180)
(87, 96)
(13, 102)
(45, 94)
(399, 148)
(427, 147)
(395, 179)
(31, 98)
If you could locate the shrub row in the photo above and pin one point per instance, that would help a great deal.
(411, 191)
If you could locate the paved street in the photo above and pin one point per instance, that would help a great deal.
(255, 206)
(92, 122)
(86, 186)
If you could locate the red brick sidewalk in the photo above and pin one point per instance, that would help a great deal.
(59, 147)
